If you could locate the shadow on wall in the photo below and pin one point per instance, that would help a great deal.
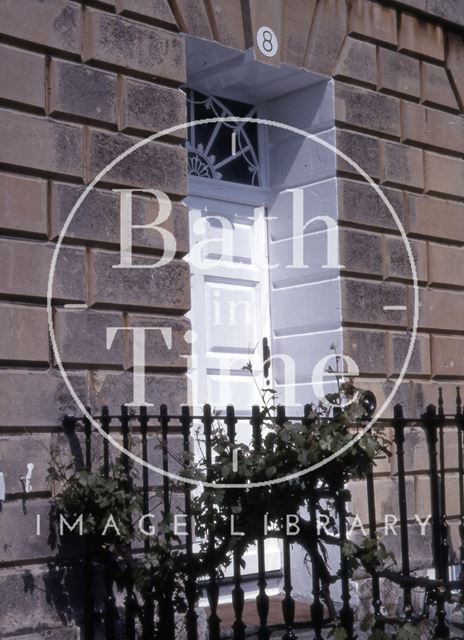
(71, 584)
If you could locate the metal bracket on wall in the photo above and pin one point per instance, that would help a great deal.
(26, 480)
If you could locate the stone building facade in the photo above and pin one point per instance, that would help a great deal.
(80, 82)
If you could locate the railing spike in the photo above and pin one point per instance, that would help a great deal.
(440, 401)
(430, 411)
(398, 412)
(230, 421)
(281, 415)
(69, 421)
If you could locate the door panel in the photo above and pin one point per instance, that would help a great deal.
(230, 307)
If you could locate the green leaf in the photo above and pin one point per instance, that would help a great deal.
(367, 622)
(349, 550)
(408, 632)
(339, 633)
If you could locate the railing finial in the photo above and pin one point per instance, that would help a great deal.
(440, 401)
(69, 421)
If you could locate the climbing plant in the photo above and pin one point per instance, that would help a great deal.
(285, 446)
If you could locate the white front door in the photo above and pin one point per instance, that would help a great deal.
(230, 312)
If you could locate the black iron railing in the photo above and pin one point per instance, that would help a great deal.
(162, 426)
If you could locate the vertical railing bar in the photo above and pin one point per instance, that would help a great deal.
(148, 621)
(316, 607)
(125, 428)
(443, 519)
(346, 613)
(398, 427)
(460, 430)
(105, 422)
(238, 597)
(166, 609)
(88, 441)
(212, 590)
(262, 599)
(111, 613)
(375, 581)
(164, 420)
(288, 603)
(129, 600)
(143, 420)
(430, 424)
(256, 424)
(89, 600)
(190, 586)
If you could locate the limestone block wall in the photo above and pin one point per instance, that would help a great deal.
(79, 83)
(82, 81)
(399, 108)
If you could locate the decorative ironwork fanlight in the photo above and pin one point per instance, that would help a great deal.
(222, 150)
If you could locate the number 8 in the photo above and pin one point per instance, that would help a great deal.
(267, 41)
